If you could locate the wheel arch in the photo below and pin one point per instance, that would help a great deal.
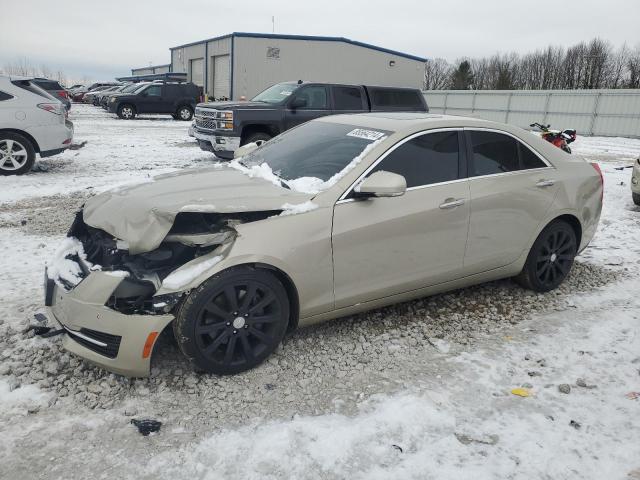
(24, 134)
(292, 293)
(575, 224)
(252, 128)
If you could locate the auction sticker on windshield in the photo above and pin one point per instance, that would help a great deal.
(366, 134)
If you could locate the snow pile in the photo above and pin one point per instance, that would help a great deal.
(202, 208)
(257, 171)
(63, 268)
(310, 185)
(18, 399)
(294, 209)
(182, 276)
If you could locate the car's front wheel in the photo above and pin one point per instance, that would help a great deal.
(184, 113)
(233, 321)
(126, 112)
(550, 258)
(17, 154)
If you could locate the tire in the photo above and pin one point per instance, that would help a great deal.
(219, 329)
(550, 258)
(184, 113)
(636, 198)
(258, 137)
(17, 154)
(127, 112)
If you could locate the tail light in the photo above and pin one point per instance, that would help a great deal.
(50, 107)
(597, 168)
(63, 94)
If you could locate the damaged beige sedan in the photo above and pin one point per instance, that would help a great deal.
(339, 215)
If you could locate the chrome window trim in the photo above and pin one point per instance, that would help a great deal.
(390, 150)
(84, 337)
(517, 139)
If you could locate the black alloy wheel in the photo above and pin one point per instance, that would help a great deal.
(550, 259)
(233, 321)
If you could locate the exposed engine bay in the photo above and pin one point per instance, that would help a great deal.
(192, 235)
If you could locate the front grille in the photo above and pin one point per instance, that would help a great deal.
(205, 123)
(112, 341)
(206, 118)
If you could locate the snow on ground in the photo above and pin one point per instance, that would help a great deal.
(117, 152)
(420, 390)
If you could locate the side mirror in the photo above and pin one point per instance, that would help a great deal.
(382, 184)
(298, 102)
(245, 149)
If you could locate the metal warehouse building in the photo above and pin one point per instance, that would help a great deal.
(243, 64)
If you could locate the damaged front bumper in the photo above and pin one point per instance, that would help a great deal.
(121, 343)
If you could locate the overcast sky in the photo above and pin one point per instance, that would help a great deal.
(106, 39)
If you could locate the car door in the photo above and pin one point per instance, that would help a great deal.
(316, 104)
(149, 99)
(512, 188)
(386, 246)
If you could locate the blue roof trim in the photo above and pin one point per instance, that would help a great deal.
(306, 37)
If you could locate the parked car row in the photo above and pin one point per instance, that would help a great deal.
(175, 98)
(32, 121)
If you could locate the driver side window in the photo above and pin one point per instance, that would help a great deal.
(424, 160)
(316, 97)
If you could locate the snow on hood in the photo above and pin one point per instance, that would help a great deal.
(143, 214)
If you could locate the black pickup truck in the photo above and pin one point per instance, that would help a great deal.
(222, 127)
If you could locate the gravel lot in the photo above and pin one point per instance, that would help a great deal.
(56, 401)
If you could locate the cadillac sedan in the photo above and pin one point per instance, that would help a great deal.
(337, 216)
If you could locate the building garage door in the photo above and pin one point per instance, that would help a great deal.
(221, 76)
(196, 71)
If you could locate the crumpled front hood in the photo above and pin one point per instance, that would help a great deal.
(143, 214)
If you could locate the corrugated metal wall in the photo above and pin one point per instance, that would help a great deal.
(591, 112)
(261, 62)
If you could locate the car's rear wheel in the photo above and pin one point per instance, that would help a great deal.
(636, 198)
(184, 113)
(17, 154)
(550, 259)
(233, 321)
(258, 137)
(126, 112)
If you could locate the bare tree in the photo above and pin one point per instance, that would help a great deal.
(437, 74)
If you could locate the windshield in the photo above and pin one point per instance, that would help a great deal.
(277, 93)
(317, 151)
(130, 88)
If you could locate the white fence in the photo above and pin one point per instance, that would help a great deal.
(590, 112)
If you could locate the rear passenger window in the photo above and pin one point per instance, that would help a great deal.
(493, 153)
(5, 96)
(347, 98)
(397, 99)
(154, 91)
(427, 159)
(528, 159)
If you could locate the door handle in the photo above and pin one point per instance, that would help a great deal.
(452, 203)
(545, 183)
